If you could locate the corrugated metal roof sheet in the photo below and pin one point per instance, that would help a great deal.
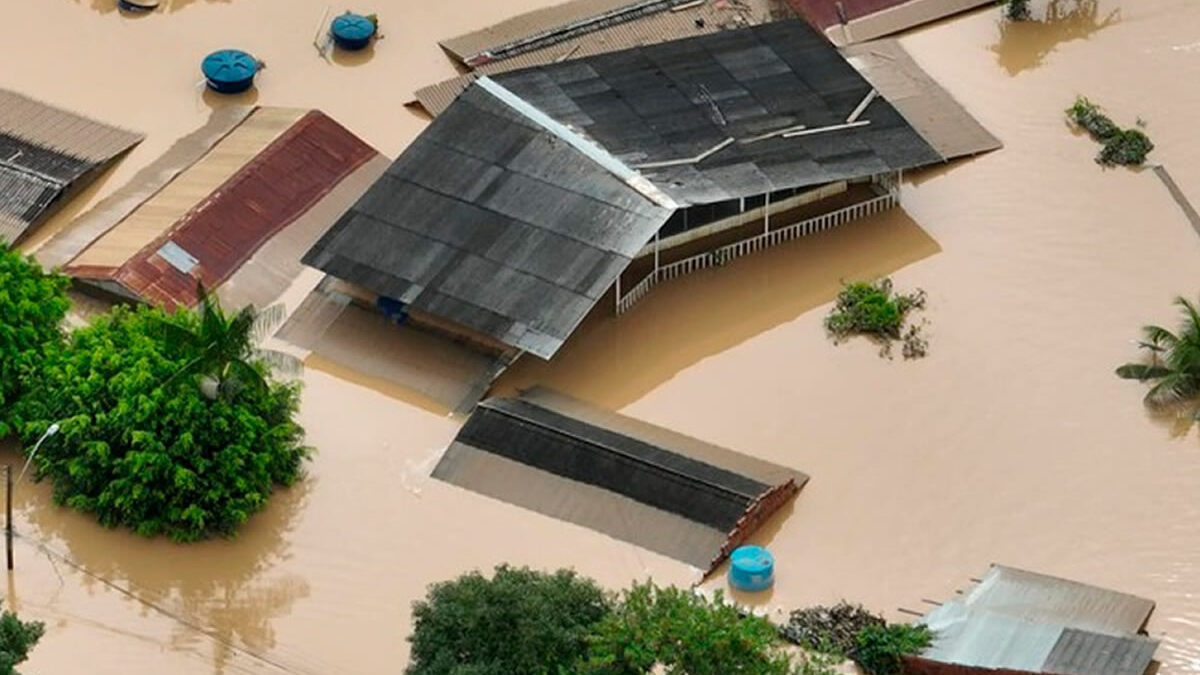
(64, 246)
(46, 152)
(665, 102)
(540, 26)
(530, 451)
(647, 30)
(1024, 621)
(493, 222)
(929, 108)
(231, 213)
(61, 131)
(899, 17)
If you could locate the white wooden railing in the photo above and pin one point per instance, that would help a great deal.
(724, 254)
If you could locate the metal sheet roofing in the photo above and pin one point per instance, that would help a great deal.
(929, 108)
(672, 108)
(548, 26)
(45, 153)
(894, 18)
(214, 216)
(493, 221)
(534, 451)
(1023, 621)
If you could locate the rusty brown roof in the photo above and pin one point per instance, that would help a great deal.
(227, 225)
(860, 20)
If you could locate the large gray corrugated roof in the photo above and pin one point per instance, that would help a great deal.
(519, 205)
(675, 100)
(494, 222)
(1024, 621)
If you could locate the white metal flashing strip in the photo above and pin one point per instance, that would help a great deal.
(773, 134)
(835, 127)
(862, 106)
(592, 151)
(687, 160)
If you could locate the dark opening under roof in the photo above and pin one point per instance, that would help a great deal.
(633, 481)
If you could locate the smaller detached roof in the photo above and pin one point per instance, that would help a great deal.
(1016, 620)
(633, 481)
(45, 152)
(209, 218)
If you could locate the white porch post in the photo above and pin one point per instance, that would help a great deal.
(656, 238)
(618, 300)
(767, 213)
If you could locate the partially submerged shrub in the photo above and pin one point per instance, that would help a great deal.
(17, 638)
(1127, 147)
(519, 621)
(878, 650)
(872, 309)
(683, 633)
(831, 630)
(143, 448)
(1017, 10)
(1174, 361)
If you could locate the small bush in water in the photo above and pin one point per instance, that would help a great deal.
(878, 649)
(872, 309)
(1017, 10)
(17, 638)
(1127, 147)
(830, 630)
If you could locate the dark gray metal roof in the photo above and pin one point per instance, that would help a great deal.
(1079, 652)
(675, 100)
(551, 454)
(495, 222)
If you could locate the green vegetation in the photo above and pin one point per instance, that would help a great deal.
(873, 309)
(1017, 10)
(33, 303)
(1127, 147)
(878, 649)
(684, 632)
(141, 445)
(519, 621)
(17, 639)
(1174, 364)
(523, 621)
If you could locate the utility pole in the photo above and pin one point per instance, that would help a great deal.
(8, 532)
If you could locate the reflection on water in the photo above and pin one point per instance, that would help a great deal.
(223, 586)
(1026, 44)
(615, 360)
(107, 6)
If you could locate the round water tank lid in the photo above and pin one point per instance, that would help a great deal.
(351, 26)
(752, 559)
(228, 66)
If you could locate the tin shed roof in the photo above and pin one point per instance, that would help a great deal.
(643, 484)
(46, 152)
(1019, 620)
(209, 219)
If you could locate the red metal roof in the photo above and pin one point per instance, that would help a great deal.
(824, 13)
(222, 232)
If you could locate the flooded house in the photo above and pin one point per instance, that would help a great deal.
(233, 206)
(1014, 621)
(48, 154)
(543, 193)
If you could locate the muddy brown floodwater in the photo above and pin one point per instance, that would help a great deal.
(1012, 442)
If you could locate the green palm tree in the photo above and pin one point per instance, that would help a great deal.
(1174, 361)
(227, 357)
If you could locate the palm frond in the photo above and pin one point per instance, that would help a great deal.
(281, 363)
(1172, 389)
(1191, 312)
(175, 336)
(245, 375)
(193, 367)
(1159, 337)
(267, 319)
(1142, 371)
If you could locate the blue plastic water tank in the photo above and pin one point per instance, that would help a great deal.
(751, 568)
(229, 71)
(352, 31)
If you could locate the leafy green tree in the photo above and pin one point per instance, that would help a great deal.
(33, 303)
(1174, 364)
(225, 347)
(158, 459)
(17, 639)
(686, 634)
(879, 649)
(519, 622)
